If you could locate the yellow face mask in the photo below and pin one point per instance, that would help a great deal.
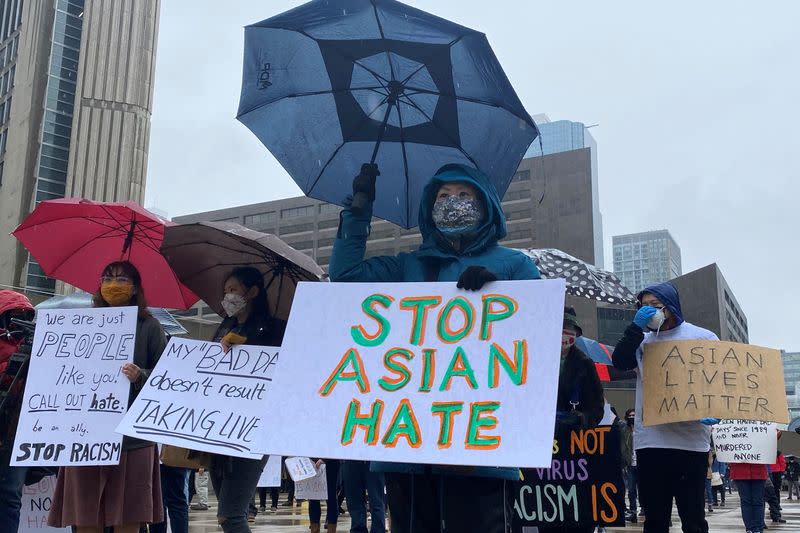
(116, 294)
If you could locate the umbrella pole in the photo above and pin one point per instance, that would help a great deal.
(382, 132)
(360, 200)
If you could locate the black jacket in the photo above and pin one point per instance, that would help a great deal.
(260, 330)
(624, 356)
(578, 376)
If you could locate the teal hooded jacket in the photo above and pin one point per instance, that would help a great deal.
(480, 248)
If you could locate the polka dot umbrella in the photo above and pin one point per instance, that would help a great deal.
(583, 279)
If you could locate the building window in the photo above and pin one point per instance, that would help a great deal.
(295, 212)
(522, 175)
(328, 208)
(261, 219)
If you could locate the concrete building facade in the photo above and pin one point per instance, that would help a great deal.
(78, 112)
(564, 219)
(791, 377)
(642, 259)
(708, 301)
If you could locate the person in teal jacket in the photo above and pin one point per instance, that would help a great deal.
(461, 221)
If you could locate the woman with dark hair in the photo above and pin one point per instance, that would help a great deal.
(128, 494)
(248, 322)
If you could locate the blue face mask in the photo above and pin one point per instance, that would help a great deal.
(453, 215)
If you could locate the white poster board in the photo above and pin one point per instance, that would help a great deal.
(420, 373)
(313, 488)
(201, 398)
(745, 441)
(300, 468)
(36, 502)
(271, 475)
(76, 393)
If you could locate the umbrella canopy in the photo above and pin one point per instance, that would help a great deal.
(204, 253)
(80, 300)
(600, 354)
(583, 279)
(73, 240)
(333, 84)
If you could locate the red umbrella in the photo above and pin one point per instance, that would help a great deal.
(74, 239)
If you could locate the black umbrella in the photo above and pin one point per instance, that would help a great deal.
(333, 84)
(202, 254)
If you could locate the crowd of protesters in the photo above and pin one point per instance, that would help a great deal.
(461, 222)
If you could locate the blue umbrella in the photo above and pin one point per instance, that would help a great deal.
(333, 84)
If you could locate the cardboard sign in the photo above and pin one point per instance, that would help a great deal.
(76, 393)
(420, 372)
(300, 468)
(200, 397)
(582, 486)
(690, 380)
(271, 475)
(313, 488)
(36, 502)
(746, 441)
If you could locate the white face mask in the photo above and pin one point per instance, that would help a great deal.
(233, 303)
(657, 320)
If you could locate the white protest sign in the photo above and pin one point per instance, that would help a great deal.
(76, 393)
(745, 441)
(271, 475)
(36, 502)
(300, 468)
(201, 398)
(420, 373)
(313, 488)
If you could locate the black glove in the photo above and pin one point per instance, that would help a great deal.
(365, 181)
(475, 277)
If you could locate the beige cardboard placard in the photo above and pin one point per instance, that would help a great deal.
(690, 380)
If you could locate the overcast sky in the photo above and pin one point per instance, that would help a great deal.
(697, 106)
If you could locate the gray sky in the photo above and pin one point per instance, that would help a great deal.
(697, 106)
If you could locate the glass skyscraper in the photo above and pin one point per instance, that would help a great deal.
(51, 174)
(642, 259)
(80, 75)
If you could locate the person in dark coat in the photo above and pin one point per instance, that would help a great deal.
(579, 387)
(580, 403)
(461, 221)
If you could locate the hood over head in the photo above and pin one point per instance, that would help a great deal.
(491, 230)
(14, 300)
(668, 295)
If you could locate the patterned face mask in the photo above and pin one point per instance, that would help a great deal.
(456, 215)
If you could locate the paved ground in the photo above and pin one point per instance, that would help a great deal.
(295, 520)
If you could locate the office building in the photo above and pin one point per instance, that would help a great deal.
(565, 136)
(791, 377)
(708, 301)
(642, 259)
(77, 90)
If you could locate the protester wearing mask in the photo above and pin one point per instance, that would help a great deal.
(793, 476)
(580, 403)
(247, 322)
(12, 478)
(672, 459)
(632, 470)
(128, 494)
(461, 221)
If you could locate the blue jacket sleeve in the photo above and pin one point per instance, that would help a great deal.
(525, 268)
(347, 260)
